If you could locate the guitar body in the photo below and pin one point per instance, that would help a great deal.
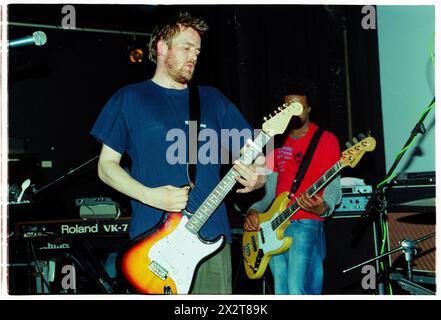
(164, 259)
(258, 247)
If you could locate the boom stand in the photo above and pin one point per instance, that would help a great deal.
(377, 205)
(408, 248)
(63, 176)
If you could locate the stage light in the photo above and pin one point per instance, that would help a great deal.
(136, 55)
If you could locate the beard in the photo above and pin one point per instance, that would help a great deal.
(178, 71)
(296, 123)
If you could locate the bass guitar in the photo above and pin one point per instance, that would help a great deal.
(164, 259)
(259, 246)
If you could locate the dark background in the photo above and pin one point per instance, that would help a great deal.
(56, 91)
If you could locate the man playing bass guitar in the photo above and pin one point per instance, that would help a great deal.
(299, 270)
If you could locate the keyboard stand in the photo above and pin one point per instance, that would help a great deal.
(81, 249)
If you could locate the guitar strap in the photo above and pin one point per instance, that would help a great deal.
(306, 161)
(194, 115)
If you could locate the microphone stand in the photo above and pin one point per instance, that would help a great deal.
(408, 248)
(70, 172)
(376, 207)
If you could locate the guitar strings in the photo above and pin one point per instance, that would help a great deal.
(212, 201)
(292, 209)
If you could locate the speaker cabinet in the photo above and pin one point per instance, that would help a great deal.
(344, 250)
(413, 226)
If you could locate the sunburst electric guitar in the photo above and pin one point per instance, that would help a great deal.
(164, 259)
(259, 246)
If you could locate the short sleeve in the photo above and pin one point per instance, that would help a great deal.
(111, 126)
(232, 119)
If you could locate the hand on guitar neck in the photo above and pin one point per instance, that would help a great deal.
(250, 176)
(264, 232)
(165, 258)
(314, 204)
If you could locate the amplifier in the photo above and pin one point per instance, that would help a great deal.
(357, 189)
(98, 207)
(94, 201)
(344, 250)
(354, 198)
(353, 203)
(411, 197)
(416, 178)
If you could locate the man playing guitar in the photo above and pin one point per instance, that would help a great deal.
(299, 270)
(137, 120)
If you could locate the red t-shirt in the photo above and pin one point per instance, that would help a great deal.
(286, 161)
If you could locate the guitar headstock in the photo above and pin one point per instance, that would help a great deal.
(277, 123)
(352, 155)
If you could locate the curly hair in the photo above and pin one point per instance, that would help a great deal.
(168, 31)
(300, 86)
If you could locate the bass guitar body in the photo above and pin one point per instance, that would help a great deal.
(259, 246)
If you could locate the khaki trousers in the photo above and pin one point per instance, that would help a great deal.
(214, 275)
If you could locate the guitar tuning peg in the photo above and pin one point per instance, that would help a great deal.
(361, 136)
(279, 108)
(354, 140)
(265, 119)
(348, 144)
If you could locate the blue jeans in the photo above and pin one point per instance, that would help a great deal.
(299, 270)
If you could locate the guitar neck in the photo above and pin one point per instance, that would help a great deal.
(294, 207)
(210, 204)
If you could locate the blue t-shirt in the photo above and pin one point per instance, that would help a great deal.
(137, 119)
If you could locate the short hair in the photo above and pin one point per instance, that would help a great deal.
(301, 87)
(168, 31)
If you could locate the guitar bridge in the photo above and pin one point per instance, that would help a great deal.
(158, 270)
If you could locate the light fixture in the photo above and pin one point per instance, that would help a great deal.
(136, 55)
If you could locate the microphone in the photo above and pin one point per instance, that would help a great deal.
(38, 38)
(24, 186)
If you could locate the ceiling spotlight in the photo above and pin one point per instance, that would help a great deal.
(136, 55)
